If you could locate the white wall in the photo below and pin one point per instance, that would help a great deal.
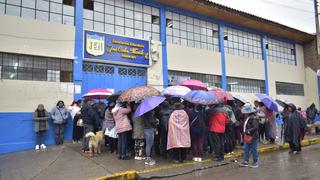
(35, 37)
(182, 58)
(155, 76)
(24, 96)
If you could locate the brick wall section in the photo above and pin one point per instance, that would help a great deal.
(311, 59)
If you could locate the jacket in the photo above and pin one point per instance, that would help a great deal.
(120, 115)
(197, 122)
(150, 120)
(252, 126)
(108, 122)
(59, 115)
(87, 113)
(40, 123)
(163, 116)
(217, 119)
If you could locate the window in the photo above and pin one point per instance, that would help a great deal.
(284, 88)
(123, 17)
(241, 43)
(243, 85)
(186, 31)
(280, 52)
(59, 11)
(175, 77)
(25, 67)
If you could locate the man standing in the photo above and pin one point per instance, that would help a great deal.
(311, 113)
(217, 124)
(101, 108)
(88, 118)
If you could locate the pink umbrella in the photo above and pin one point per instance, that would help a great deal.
(222, 95)
(98, 94)
(194, 84)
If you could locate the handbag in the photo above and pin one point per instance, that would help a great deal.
(80, 122)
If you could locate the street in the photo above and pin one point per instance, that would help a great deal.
(277, 165)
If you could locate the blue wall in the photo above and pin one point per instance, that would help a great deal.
(17, 132)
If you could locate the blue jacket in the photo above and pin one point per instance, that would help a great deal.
(59, 115)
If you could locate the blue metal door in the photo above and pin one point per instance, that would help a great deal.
(114, 77)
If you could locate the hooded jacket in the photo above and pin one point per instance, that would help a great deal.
(120, 115)
(293, 126)
(218, 119)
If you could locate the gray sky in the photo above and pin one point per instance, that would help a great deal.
(298, 14)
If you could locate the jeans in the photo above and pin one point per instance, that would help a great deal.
(59, 133)
(217, 141)
(253, 148)
(123, 144)
(294, 147)
(112, 144)
(85, 142)
(197, 144)
(149, 135)
(163, 143)
(40, 137)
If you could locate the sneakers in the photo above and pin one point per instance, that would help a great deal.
(37, 147)
(138, 158)
(244, 164)
(149, 161)
(43, 146)
(254, 165)
(197, 159)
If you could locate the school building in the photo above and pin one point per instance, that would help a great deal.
(54, 50)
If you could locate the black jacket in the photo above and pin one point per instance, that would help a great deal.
(163, 116)
(293, 127)
(88, 114)
(252, 126)
(150, 120)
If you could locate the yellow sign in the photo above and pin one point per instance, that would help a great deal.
(95, 45)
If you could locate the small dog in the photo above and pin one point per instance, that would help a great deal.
(95, 142)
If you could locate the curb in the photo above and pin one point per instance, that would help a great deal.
(133, 174)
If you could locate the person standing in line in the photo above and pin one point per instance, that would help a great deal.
(40, 118)
(59, 114)
(101, 108)
(311, 113)
(123, 127)
(150, 128)
(230, 141)
(217, 125)
(179, 133)
(270, 124)
(138, 135)
(250, 130)
(110, 129)
(197, 129)
(75, 112)
(293, 128)
(88, 118)
(163, 116)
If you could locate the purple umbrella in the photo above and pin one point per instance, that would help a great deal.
(268, 102)
(148, 105)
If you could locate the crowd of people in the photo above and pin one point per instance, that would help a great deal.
(176, 128)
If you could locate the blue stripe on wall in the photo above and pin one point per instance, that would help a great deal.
(78, 51)
(265, 59)
(164, 46)
(17, 132)
(223, 58)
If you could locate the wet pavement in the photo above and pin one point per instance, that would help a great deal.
(277, 165)
(67, 162)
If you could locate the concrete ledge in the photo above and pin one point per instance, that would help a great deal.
(132, 175)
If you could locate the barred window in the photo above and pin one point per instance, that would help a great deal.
(280, 52)
(192, 32)
(242, 43)
(284, 88)
(123, 17)
(26, 67)
(175, 77)
(59, 11)
(243, 85)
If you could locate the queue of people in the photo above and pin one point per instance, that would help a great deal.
(175, 127)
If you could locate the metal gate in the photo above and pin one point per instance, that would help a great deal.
(114, 77)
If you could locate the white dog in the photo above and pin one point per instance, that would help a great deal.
(95, 142)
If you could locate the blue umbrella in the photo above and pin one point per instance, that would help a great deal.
(148, 104)
(201, 97)
(268, 102)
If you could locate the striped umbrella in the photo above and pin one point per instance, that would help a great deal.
(98, 94)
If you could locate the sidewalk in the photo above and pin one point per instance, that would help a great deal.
(68, 162)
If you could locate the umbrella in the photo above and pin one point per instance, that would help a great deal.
(148, 104)
(200, 97)
(222, 95)
(98, 94)
(177, 91)
(268, 102)
(239, 98)
(138, 93)
(282, 102)
(194, 84)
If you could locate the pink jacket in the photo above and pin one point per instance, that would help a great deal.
(120, 116)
